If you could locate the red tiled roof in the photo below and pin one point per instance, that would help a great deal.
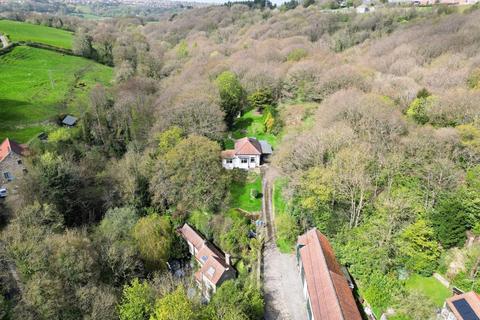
(8, 146)
(228, 154)
(330, 296)
(212, 260)
(248, 146)
(472, 298)
(191, 236)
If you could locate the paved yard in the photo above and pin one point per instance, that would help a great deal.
(282, 286)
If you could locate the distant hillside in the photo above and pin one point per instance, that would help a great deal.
(21, 31)
(37, 84)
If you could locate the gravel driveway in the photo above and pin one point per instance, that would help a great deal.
(282, 286)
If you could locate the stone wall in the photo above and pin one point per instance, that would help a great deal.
(11, 164)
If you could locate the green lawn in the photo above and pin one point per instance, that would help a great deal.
(251, 125)
(430, 287)
(241, 193)
(36, 85)
(284, 244)
(22, 31)
(278, 202)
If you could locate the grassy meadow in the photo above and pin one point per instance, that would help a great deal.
(21, 31)
(36, 85)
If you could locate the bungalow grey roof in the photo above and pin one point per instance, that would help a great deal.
(69, 121)
(266, 147)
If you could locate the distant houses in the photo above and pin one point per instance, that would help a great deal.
(327, 292)
(464, 306)
(432, 2)
(11, 162)
(249, 153)
(215, 266)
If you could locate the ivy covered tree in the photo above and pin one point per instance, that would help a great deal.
(153, 236)
(232, 96)
(450, 221)
(190, 176)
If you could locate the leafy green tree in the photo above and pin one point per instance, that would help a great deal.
(47, 296)
(137, 301)
(118, 223)
(419, 251)
(118, 254)
(232, 96)
(56, 180)
(174, 306)
(234, 298)
(269, 122)
(73, 258)
(382, 290)
(235, 240)
(450, 221)
(261, 99)
(82, 44)
(418, 109)
(153, 236)
(169, 139)
(416, 306)
(190, 176)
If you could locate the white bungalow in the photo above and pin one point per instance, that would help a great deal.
(249, 153)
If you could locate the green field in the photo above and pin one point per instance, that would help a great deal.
(36, 85)
(430, 287)
(21, 31)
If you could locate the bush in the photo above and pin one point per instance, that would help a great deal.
(418, 109)
(261, 99)
(287, 230)
(297, 54)
(473, 80)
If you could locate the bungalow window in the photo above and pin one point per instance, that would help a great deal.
(229, 160)
(244, 160)
(19, 161)
(252, 159)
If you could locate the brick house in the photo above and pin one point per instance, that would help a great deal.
(326, 290)
(214, 265)
(11, 162)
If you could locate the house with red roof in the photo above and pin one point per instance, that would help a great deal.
(11, 162)
(214, 265)
(249, 153)
(328, 294)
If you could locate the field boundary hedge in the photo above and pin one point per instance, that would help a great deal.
(44, 46)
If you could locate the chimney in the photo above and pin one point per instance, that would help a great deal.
(227, 259)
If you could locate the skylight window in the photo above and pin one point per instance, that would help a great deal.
(204, 258)
(211, 271)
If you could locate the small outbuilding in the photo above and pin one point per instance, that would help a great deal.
(69, 121)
